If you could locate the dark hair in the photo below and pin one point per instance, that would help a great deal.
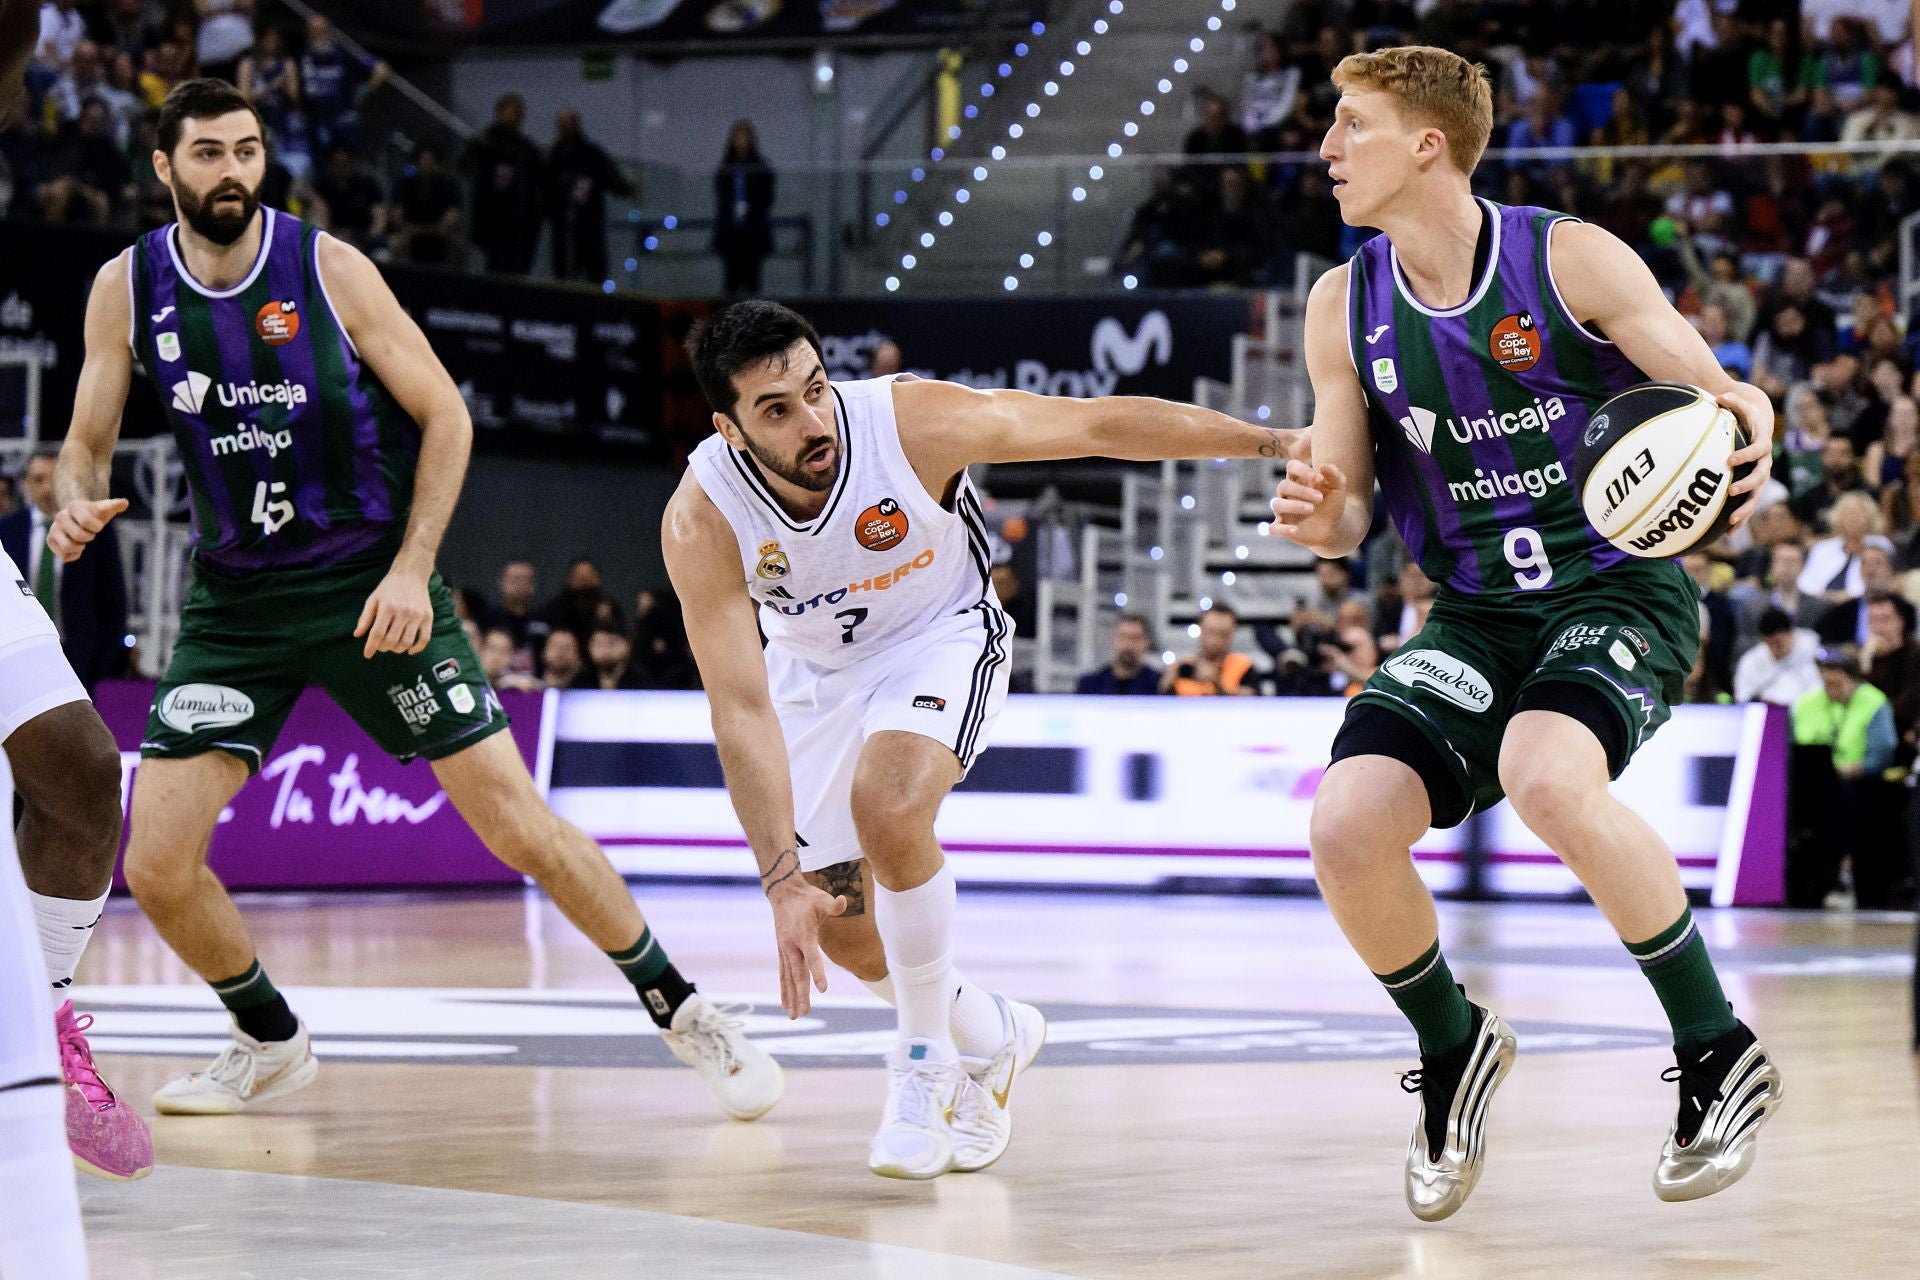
(1839, 657)
(199, 100)
(1900, 605)
(1774, 621)
(607, 626)
(51, 451)
(1221, 606)
(1139, 619)
(738, 337)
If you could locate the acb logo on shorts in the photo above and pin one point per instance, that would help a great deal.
(880, 526)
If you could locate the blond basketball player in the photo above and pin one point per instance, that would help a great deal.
(1456, 359)
(838, 518)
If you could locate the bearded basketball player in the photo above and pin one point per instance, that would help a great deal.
(324, 447)
(838, 518)
(1549, 656)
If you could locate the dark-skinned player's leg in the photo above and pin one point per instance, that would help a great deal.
(66, 772)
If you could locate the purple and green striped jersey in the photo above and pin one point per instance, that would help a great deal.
(296, 455)
(1476, 412)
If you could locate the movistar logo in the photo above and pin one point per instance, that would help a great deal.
(1115, 351)
(1419, 426)
(1492, 426)
(191, 392)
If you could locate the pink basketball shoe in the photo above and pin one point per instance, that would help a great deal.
(108, 1139)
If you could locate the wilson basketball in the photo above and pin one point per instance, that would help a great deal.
(1652, 469)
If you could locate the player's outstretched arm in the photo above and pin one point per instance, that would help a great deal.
(81, 476)
(1608, 288)
(703, 562)
(398, 617)
(946, 427)
(1326, 503)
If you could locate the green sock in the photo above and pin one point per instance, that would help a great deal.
(256, 1005)
(652, 974)
(1434, 1004)
(1675, 961)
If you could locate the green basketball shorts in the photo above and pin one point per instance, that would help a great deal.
(1627, 636)
(248, 647)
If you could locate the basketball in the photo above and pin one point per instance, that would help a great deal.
(1652, 469)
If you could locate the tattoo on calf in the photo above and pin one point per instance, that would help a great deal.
(843, 880)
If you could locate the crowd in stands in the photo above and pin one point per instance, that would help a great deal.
(578, 638)
(81, 149)
(1570, 73)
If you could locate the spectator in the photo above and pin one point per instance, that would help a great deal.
(87, 599)
(1241, 240)
(62, 29)
(514, 614)
(225, 35)
(577, 607)
(497, 655)
(1846, 622)
(1781, 667)
(9, 496)
(1785, 353)
(162, 67)
(271, 80)
(1844, 738)
(1014, 597)
(95, 182)
(1412, 600)
(1215, 668)
(1848, 68)
(1776, 87)
(1799, 288)
(1351, 659)
(742, 210)
(84, 78)
(1543, 125)
(886, 359)
(1333, 580)
(1719, 285)
(660, 641)
(335, 84)
(610, 655)
(1735, 357)
(1272, 93)
(560, 664)
(1786, 562)
(130, 27)
(580, 176)
(355, 207)
(1833, 569)
(1215, 135)
(1890, 660)
(503, 174)
(1129, 672)
(1721, 631)
(427, 211)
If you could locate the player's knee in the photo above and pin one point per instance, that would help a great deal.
(885, 814)
(77, 798)
(1347, 835)
(527, 838)
(158, 880)
(1547, 795)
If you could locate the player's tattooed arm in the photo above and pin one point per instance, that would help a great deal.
(843, 880)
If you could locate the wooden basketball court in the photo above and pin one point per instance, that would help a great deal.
(1218, 1098)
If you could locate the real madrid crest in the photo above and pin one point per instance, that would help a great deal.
(773, 561)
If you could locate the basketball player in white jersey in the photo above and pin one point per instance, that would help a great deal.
(838, 517)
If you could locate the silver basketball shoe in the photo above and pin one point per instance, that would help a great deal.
(1728, 1089)
(1449, 1144)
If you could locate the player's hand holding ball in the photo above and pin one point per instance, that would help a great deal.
(398, 617)
(1308, 504)
(79, 523)
(1755, 410)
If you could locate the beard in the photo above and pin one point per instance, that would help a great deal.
(221, 226)
(794, 471)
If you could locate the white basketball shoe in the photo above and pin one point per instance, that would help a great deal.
(982, 1119)
(915, 1140)
(247, 1072)
(745, 1079)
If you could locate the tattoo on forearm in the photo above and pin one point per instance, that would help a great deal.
(773, 876)
(844, 880)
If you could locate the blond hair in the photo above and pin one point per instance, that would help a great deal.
(1435, 88)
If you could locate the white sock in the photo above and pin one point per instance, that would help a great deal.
(975, 1024)
(916, 929)
(39, 1205)
(66, 926)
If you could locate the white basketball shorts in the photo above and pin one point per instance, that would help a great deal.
(35, 676)
(948, 684)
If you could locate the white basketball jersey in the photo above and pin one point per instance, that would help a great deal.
(880, 564)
